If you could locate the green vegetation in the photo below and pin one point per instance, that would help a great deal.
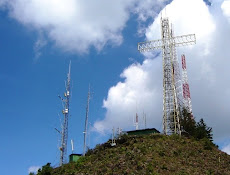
(191, 128)
(156, 154)
(149, 154)
(46, 170)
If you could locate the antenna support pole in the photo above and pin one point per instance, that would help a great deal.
(86, 122)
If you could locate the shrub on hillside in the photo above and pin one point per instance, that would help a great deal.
(198, 130)
(46, 170)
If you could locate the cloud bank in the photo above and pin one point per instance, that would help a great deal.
(135, 94)
(207, 63)
(77, 25)
(226, 8)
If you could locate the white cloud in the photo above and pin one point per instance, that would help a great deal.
(33, 169)
(77, 25)
(74, 25)
(148, 8)
(226, 149)
(208, 71)
(187, 17)
(226, 8)
(39, 44)
(133, 95)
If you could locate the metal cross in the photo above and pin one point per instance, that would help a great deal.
(171, 73)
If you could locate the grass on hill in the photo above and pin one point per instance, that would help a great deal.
(151, 154)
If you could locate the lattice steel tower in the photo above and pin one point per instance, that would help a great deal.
(171, 76)
(186, 91)
(65, 111)
(86, 121)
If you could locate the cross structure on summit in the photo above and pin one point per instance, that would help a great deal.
(172, 88)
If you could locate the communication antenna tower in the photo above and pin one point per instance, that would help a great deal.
(186, 91)
(65, 111)
(177, 76)
(167, 43)
(136, 122)
(86, 121)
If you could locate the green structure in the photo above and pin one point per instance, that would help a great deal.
(74, 157)
(143, 131)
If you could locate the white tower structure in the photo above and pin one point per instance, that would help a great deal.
(65, 111)
(186, 91)
(171, 77)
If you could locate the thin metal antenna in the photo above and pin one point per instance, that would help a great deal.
(90, 126)
(72, 146)
(136, 122)
(86, 121)
(136, 119)
(65, 111)
(144, 118)
(57, 130)
(113, 138)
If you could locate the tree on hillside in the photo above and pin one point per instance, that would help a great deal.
(187, 122)
(198, 130)
(203, 131)
(46, 170)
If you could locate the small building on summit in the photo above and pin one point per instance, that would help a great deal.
(74, 157)
(143, 131)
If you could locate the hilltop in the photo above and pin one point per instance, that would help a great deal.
(151, 154)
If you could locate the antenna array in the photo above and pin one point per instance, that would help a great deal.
(186, 91)
(65, 111)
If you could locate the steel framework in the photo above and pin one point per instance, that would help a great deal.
(186, 91)
(171, 75)
(65, 111)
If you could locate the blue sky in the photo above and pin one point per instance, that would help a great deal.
(31, 87)
(35, 51)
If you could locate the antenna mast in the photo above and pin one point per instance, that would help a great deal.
(186, 91)
(72, 145)
(86, 122)
(113, 138)
(65, 112)
(136, 122)
(144, 118)
(171, 83)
